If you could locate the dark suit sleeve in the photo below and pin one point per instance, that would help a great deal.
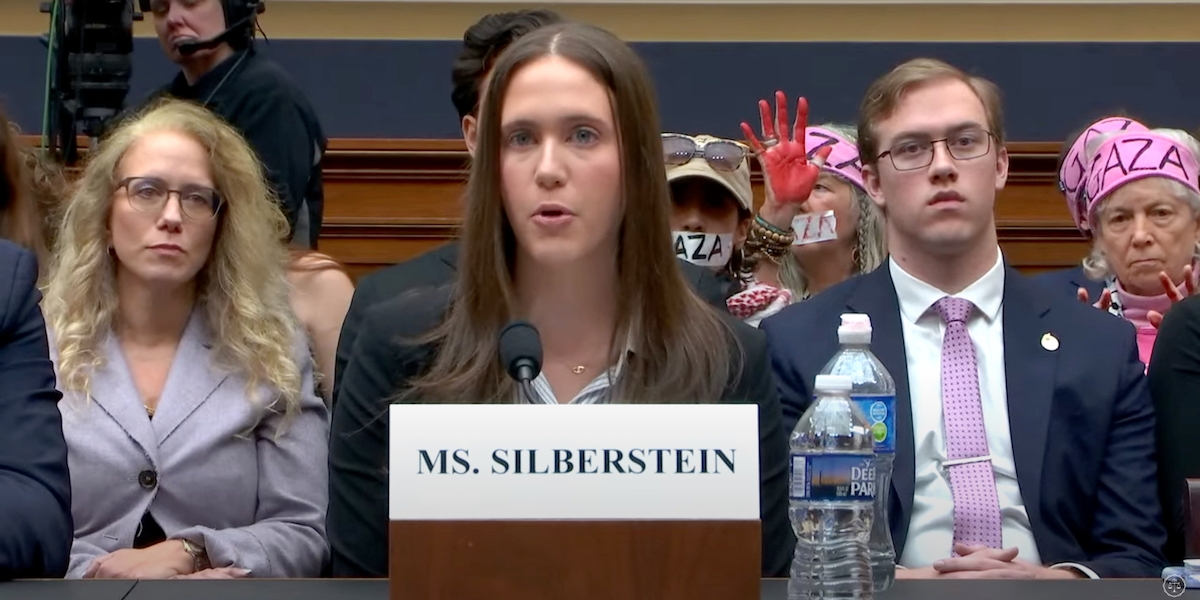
(1175, 389)
(794, 395)
(36, 528)
(707, 285)
(1127, 533)
(758, 386)
(358, 455)
(279, 134)
(364, 298)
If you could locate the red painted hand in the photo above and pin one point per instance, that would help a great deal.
(789, 175)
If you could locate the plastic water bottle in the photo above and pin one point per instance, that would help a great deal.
(832, 494)
(874, 391)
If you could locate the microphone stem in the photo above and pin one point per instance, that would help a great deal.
(526, 387)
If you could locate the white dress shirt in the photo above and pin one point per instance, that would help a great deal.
(931, 524)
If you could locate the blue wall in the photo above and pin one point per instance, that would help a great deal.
(401, 88)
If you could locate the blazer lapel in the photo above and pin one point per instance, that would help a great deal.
(113, 390)
(1030, 362)
(876, 296)
(192, 378)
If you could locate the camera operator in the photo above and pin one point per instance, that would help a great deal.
(212, 42)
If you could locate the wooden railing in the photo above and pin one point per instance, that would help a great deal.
(389, 200)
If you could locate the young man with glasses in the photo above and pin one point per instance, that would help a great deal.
(1025, 432)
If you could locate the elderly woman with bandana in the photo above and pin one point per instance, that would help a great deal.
(1072, 170)
(1143, 208)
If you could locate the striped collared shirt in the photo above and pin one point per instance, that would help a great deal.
(596, 392)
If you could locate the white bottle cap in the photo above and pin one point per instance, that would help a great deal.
(834, 383)
(855, 329)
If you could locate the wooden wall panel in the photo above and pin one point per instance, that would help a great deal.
(389, 200)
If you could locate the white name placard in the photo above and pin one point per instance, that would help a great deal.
(601, 462)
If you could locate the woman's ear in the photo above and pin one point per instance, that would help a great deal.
(470, 132)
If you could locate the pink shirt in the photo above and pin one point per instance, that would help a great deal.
(1135, 310)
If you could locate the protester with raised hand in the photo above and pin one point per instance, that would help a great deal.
(1144, 213)
(817, 226)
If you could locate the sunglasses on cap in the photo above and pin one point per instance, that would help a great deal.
(722, 155)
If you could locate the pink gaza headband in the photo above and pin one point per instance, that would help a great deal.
(843, 159)
(1131, 156)
(1074, 168)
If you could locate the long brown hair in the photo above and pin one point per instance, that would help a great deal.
(680, 346)
(20, 218)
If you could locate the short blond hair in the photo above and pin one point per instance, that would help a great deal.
(885, 94)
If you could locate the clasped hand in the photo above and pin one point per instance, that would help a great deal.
(981, 562)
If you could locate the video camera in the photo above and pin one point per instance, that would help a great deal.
(89, 65)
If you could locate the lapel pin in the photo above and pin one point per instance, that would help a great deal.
(1050, 342)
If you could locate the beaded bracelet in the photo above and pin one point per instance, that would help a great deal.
(771, 233)
(767, 242)
(769, 227)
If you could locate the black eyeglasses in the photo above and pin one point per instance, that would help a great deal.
(910, 155)
(150, 195)
(722, 155)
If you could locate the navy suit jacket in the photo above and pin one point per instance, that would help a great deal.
(1068, 282)
(1080, 417)
(35, 487)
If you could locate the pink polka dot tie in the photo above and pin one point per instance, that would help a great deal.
(972, 481)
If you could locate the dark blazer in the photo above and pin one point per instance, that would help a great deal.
(358, 448)
(436, 268)
(1081, 420)
(1068, 281)
(262, 101)
(35, 485)
(1175, 386)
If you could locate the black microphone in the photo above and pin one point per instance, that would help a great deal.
(190, 48)
(521, 354)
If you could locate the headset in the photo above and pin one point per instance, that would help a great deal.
(240, 20)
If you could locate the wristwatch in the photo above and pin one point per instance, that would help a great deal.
(198, 554)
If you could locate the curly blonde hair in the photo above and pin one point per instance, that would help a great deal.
(242, 288)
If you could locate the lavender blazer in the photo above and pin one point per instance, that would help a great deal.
(211, 467)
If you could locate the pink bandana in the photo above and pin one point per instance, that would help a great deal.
(1131, 156)
(843, 160)
(1074, 168)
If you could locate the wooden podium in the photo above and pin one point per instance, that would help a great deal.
(574, 560)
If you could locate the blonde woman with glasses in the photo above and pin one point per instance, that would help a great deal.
(195, 441)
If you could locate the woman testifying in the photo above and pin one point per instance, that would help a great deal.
(566, 226)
